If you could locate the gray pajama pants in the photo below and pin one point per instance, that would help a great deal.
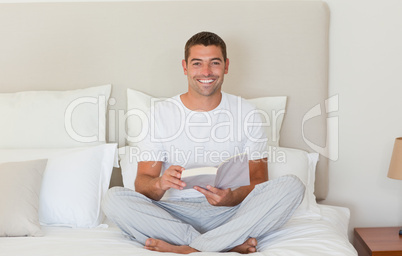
(196, 223)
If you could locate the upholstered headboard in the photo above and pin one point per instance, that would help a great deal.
(274, 47)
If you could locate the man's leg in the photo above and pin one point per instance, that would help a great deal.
(266, 208)
(139, 217)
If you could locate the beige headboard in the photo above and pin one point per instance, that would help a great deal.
(274, 47)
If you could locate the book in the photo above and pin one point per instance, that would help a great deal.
(231, 173)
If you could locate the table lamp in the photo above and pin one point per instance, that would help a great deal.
(395, 167)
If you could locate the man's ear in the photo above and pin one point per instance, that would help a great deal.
(227, 66)
(184, 64)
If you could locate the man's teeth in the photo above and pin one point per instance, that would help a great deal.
(206, 81)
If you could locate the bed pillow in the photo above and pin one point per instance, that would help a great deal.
(129, 165)
(73, 184)
(47, 119)
(138, 104)
(20, 184)
(284, 161)
(273, 109)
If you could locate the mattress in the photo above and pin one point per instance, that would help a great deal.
(300, 236)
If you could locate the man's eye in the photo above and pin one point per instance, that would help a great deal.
(196, 64)
(216, 63)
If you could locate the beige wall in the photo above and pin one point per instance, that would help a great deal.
(365, 68)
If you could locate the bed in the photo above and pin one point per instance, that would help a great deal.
(298, 237)
(76, 78)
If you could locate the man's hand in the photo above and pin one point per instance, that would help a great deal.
(218, 197)
(151, 184)
(227, 197)
(171, 178)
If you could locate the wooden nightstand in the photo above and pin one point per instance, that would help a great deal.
(378, 241)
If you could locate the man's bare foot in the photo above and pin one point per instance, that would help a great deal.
(249, 246)
(162, 246)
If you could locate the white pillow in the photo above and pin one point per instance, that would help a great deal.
(47, 119)
(138, 105)
(129, 166)
(283, 161)
(73, 187)
(272, 110)
(73, 184)
(20, 184)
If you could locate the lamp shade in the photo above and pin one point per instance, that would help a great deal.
(395, 167)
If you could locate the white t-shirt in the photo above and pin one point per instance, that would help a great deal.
(179, 136)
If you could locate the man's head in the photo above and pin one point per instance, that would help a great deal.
(205, 64)
(206, 39)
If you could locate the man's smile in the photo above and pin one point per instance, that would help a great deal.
(205, 81)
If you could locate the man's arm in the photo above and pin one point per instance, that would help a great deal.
(149, 182)
(227, 197)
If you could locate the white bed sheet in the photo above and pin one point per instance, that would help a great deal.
(299, 236)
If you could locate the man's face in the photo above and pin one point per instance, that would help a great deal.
(205, 69)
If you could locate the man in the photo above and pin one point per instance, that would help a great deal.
(199, 128)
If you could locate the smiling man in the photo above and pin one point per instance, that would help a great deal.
(205, 68)
(163, 213)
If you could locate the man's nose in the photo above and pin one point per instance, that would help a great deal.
(206, 70)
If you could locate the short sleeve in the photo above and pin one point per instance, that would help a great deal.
(255, 136)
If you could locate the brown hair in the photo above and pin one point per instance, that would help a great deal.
(206, 39)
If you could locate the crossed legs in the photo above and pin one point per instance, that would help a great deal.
(164, 226)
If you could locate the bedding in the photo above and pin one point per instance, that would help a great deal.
(73, 184)
(20, 184)
(299, 237)
(284, 161)
(54, 119)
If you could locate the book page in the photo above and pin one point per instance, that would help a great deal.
(201, 177)
(233, 173)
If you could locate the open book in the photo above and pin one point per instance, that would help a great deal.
(231, 173)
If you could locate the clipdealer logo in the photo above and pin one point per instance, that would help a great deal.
(234, 124)
(331, 148)
(68, 117)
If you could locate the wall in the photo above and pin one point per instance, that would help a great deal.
(365, 63)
